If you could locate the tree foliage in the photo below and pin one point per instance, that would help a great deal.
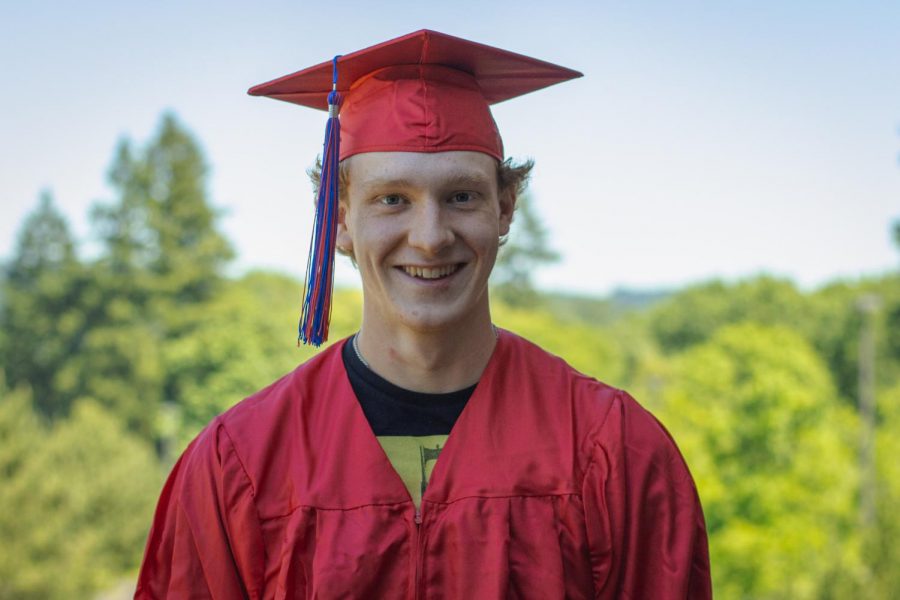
(41, 313)
(99, 329)
(159, 234)
(20, 433)
(828, 318)
(695, 314)
(882, 553)
(757, 417)
(526, 250)
(76, 500)
(242, 341)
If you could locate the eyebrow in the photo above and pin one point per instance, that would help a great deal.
(370, 184)
(467, 179)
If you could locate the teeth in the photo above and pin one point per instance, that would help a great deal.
(430, 273)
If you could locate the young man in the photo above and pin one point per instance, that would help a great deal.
(541, 482)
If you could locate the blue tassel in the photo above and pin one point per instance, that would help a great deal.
(316, 314)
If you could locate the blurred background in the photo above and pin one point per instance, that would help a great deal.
(712, 225)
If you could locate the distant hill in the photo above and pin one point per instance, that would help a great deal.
(604, 309)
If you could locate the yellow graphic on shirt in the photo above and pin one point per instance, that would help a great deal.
(413, 457)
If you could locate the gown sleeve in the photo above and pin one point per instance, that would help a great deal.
(645, 527)
(206, 540)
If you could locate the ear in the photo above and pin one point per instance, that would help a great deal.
(507, 209)
(344, 239)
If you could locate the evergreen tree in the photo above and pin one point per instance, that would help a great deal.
(526, 250)
(123, 226)
(189, 253)
(45, 244)
(160, 234)
(163, 260)
(40, 315)
(98, 330)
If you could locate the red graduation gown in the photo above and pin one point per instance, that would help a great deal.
(551, 485)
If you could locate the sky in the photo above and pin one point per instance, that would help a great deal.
(705, 140)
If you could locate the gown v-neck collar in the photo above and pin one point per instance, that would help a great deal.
(476, 408)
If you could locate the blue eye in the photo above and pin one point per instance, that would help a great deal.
(391, 200)
(462, 197)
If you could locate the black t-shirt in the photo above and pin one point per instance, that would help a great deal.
(392, 410)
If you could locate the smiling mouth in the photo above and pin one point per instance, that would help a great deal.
(431, 272)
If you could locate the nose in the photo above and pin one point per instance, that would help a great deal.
(430, 230)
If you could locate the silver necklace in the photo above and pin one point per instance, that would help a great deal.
(356, 349)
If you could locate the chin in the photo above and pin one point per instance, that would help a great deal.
(433, 318)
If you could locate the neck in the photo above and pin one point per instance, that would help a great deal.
(429, 361)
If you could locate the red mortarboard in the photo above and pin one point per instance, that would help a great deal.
(422, 92)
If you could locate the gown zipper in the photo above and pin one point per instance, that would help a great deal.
(417, 532)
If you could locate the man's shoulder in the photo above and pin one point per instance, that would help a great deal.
(570, 402)
(526, 360)
(604, 414)
(261, 437)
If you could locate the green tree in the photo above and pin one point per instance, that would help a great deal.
(78, 504)
(45, 244)
(74, 329)
(773, 453)
(163, 260)
(526, 250)
(828, 318)
(694, 314)
(41, 312)
(883, 555)
(835, 330)
(98, 330)
(21, 433)
(119, 363)
(123, 226)
(189, 253)
(244, 340)
(161, 231)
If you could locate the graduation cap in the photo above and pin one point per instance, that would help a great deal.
(422, 92)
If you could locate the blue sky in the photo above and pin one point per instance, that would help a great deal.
(706, 139)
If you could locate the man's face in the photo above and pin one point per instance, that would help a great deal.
(424, 229)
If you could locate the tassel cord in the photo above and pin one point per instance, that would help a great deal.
(316, 312)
